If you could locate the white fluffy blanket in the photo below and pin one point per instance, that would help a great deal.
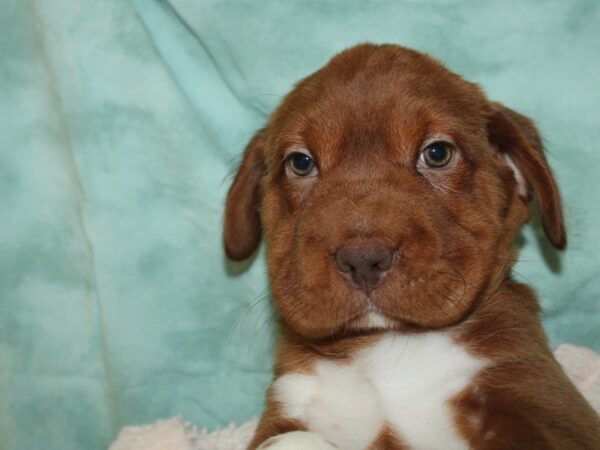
(581, 364)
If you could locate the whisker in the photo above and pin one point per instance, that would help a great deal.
(243, 314)
(268, 318)
(520, 260)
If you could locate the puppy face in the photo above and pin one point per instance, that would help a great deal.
(389, 191)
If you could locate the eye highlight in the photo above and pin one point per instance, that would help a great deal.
(437, 154)
(301, 164)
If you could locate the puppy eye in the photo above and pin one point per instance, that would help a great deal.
(437, 154)
(301, 164)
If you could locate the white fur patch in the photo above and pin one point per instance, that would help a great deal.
(521, 183)
(376, 320)
(296, 440)
(403, 381)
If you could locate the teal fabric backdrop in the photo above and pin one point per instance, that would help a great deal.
(119, 124)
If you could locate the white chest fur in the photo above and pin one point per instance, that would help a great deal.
(402, 381)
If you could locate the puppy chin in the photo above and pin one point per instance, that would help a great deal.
(368, 322)
(372, 320)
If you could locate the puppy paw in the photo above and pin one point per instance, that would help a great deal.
(296, 440)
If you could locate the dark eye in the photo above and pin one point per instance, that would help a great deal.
(301, 164)
(438, 154)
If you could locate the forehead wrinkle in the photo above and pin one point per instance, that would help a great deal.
(329, 128)
(284, 140)
(415, 123)
(364, 117)
(364, 137)
(323, 133)
(407, 131)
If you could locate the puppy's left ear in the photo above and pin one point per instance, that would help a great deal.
(241, 227)
(519, 142)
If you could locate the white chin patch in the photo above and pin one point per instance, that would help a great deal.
(521, 183)
(297, 440)
(371, 320)
(376, 320)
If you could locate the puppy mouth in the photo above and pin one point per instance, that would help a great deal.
(372, 319)
(423, 300)
(406, 293)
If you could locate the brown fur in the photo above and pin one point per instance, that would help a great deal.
(364, 117)
(387, 439)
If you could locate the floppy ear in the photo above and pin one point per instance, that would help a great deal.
(241, 228)
(519, 142)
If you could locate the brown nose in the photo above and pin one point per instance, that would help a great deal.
(365, 265)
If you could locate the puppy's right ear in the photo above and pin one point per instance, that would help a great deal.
(241, 228)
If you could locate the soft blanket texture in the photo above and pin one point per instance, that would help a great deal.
(120, 121)
(581, 364)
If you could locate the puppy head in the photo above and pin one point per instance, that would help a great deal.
(389, 191)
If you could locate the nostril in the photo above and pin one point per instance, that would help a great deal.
(346, 268)
(385, 260)
(342, 259)
(381, 266)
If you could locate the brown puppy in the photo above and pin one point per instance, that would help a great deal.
(390, 192)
